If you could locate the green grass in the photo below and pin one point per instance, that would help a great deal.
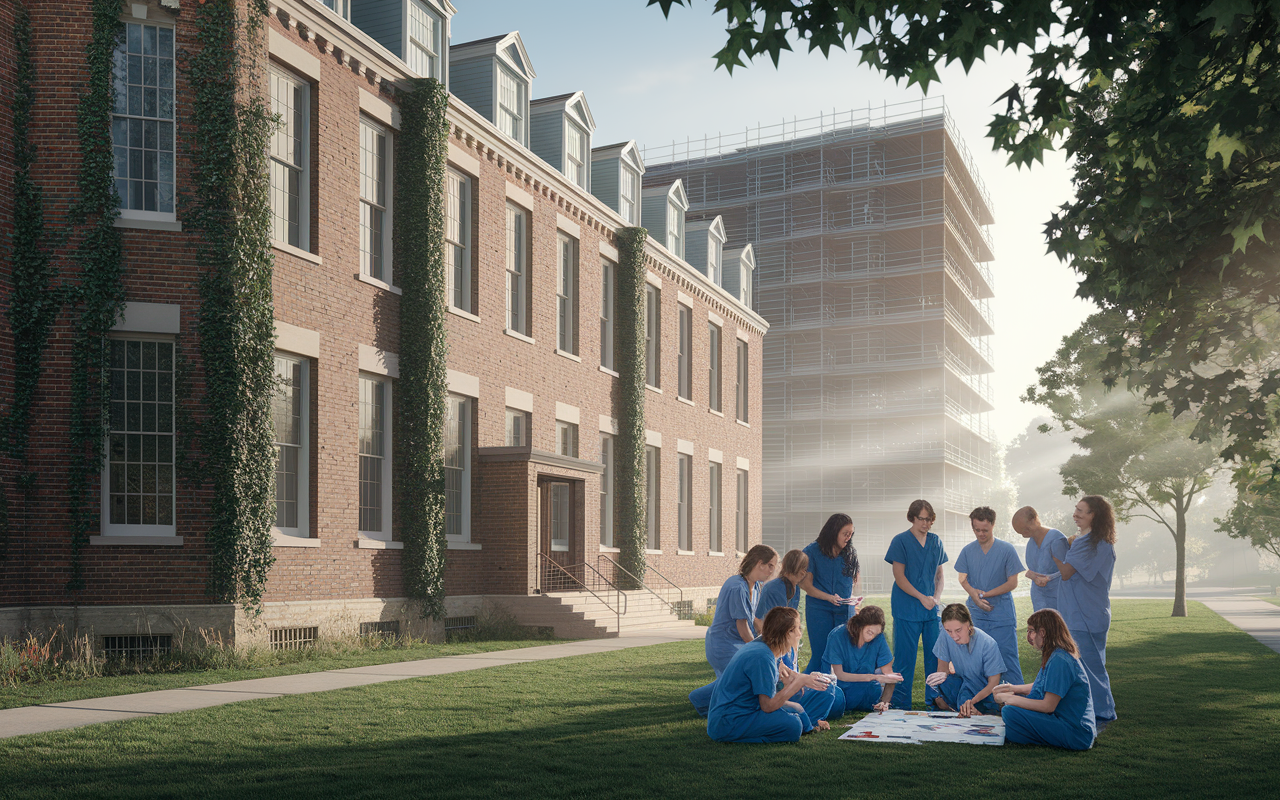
(1199, 706)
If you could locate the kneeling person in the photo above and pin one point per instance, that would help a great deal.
(1056, 710)
(859, 656)
(976, 660)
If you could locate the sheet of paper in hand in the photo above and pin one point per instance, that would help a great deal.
(917, 727)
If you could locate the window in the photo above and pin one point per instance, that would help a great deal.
(375, 456)
(742, 511)
(289, 157)
(517, 428)
(713, 366)
(423, 53)
(142, 121)
(653, 336)
(744, 282)
(652, 490)
(517, 255)
(511, 104)
(289, 414)
(561, 516)
(606, 490)
(714, 492)
(685, 362)
(140, 483)
(627, 195)
(744, 366)
(567, 296)
(457, 470)
(684, 502)
(375, 233)
(715, 260)
(575, 162)
(340, 7)
(607, 273)
(567, 439)
(457, 240)
(675, 230)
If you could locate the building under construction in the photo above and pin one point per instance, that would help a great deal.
(871, 254)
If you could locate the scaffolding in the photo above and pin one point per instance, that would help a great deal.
(872, 268)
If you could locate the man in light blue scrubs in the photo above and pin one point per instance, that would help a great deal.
(989, 570)
(1043, 546)
(917, 557)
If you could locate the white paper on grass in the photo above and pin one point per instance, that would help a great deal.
(917, 727)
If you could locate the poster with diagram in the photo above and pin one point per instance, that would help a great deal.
(917, 727)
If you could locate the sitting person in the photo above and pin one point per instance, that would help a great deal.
(975, 659)
(859, 657)
(1056, 710)
(783, 590)
(748, 706)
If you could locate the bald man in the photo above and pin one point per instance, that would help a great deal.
(1043, 545)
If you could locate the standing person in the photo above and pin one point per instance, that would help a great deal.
(969, 665)
(1057, 709)
(1084, 596)
(733, 624)
(917, 557)
(828, 584)
(783, 590)
(859, 657)
(1043, 546)
(989, 570)
(748, 706)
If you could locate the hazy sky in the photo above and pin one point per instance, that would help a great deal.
(653, 80)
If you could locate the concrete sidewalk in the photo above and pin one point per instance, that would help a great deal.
(1258, 618)
(77, 713)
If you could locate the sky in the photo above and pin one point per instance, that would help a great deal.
(654, 80)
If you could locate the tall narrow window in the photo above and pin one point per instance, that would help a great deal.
(627, 195)
(675, 230)
(567, 296)
(684, 503)
(375, 511)
(511, 104)
(517, 428)
(374, 231)
(423, 53)
(575, 163)
(457, 240)
(713, 366)
(606, 490)
(607, 273)
(715, 260)
(517, 255)
(142, 122)
(744, 370)
(289, 146)
(714, 491)
(289, 416)
(567, 439)
(685, 365)
(457, 469)
(653, 336)
(561, 516)
(139, 480)
(744, 281)
(653, 499)
(742, 510)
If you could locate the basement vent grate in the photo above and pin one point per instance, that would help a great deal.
(388, 629)
(459, 623)
(292, 638)
(136, 647)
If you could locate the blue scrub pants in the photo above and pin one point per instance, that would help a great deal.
(1024, 726)
(952, 690)
(783, 725)
(1006, 637)
(1093, 654)
(821, 618)
(701, 698)
(827, 704)
(906, 643)
(861, 696)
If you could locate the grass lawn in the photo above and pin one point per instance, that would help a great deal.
(1199, 705)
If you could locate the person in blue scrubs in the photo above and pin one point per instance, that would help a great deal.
(829, 584)
(989, 570)
(969, 665)
(1043, 546)
(783, 590)
(1084, 596)
(733, 624)
(747, 706)
(1056, 710)
(859, 657)
(917, 557)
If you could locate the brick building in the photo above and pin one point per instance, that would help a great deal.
(531, 222)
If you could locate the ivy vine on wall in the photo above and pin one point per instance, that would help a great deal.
(418, 237)
(630, 534)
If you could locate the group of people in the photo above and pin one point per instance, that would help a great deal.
(760, 693)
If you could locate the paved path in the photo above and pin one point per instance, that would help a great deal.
(77, 713)
(1258, 618)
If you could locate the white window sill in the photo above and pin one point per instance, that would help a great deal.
(360, 276)
(719, 414)
(298, 252)
(604, 548)
(464, 545)
(519, 335)
(608, 371)
(649, 552)
(685, 553)
(279, 539)
(685, 400)
(464, 314)
(744, 424)
(364, 543)
(653, 389)
(135, 541)
(714, 553)
(148, 224)
(568, 355)
(559, 548)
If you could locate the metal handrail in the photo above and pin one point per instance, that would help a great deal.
(646, 586)
(618, 607)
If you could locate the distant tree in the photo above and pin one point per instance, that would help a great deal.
(1255, 517)
(1033, 460)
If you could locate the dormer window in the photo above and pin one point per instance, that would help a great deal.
(629, 195)
(715, 260)
(675, 230)
(423, 51)
(340, 7)
(575, 164)
(511, 104)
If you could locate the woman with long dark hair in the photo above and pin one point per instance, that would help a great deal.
(859, 657)
(828, 583)
(1056, 710)
(1084, 596)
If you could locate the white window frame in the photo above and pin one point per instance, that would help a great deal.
(464, 422)
(715, 383)
(279, 73)
(340, 7)
(371, 206)
(715, 260)
(684, 365)
(575, 164)
(560, 545)
(303, 528)
(567, 443)
(516, 432)
(715, 495)
(653, 336)
(416, 51)
(653, 497)
(606, 490)
(121, 113)
(567, 294)
(744, 284)
(458, 216)
(608, 311)
(385, 512)
(675, 230)
(684, 502)
(517, 117)
(517, 292)
(628, 202)
(744, 375)
(743, 512)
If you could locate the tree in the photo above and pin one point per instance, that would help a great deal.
(1168, 110)
(1146, 463)
(1033, 460)
(1255, 517)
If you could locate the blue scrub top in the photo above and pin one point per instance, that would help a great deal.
(975, 662)
(987, 571)
(921, 566)
(736, 601)
(752, 672)
(855, 660)
(1064, 676)
(774, 594)
(1085, 600)
(1040, 559)
(828, 573)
